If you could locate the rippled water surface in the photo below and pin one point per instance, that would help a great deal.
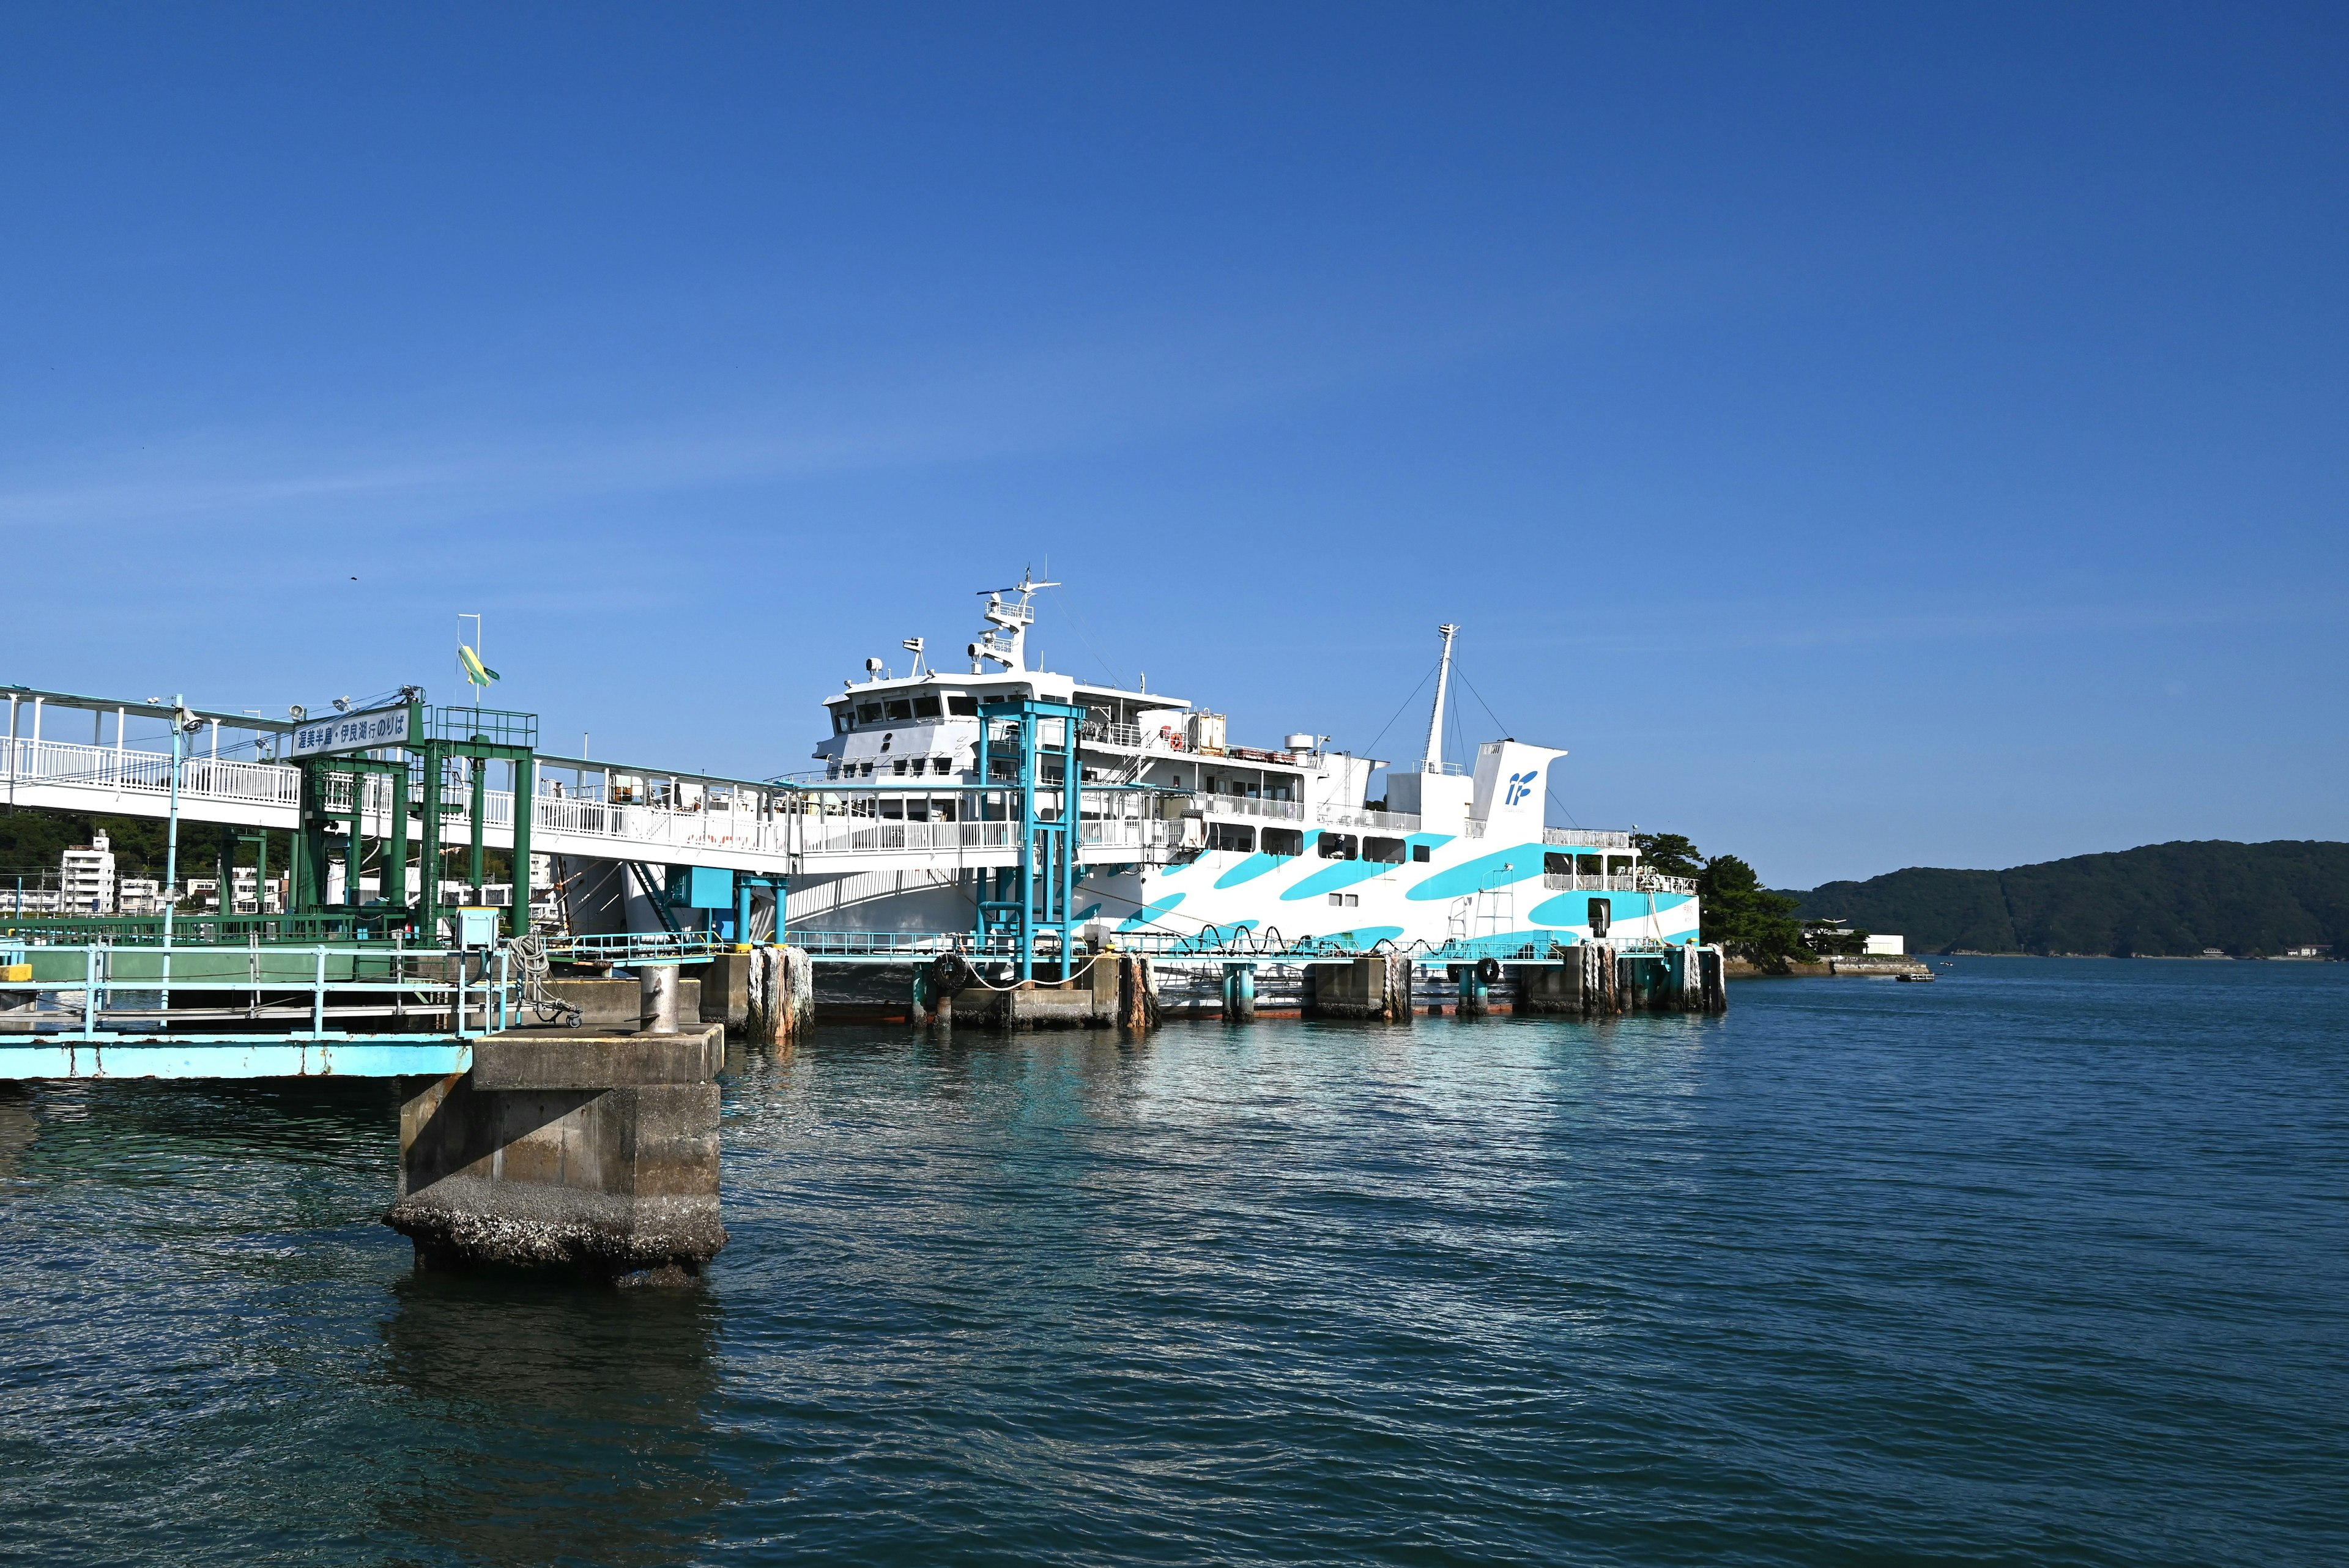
(2041, 1264)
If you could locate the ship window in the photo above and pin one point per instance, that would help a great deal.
(926, 708)
(943, 810)
(1284, 842)
(841, 722)
(1420, 852)
(1346, 900)
(868, 712)
(962, 705)
(899, 709)
(893, 811)
(941, 764)
(1386, 852)
(898, 766)
(1339, 847)
(1232, 836)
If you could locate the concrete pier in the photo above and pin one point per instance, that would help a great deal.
(1377, 987)
(576, 1149)
(1111, 989)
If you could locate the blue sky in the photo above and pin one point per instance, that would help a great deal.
(1864, 437)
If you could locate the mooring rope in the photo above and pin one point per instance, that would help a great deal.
(527, 952)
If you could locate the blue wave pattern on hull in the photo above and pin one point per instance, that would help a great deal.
(1150, 913)
(1574, 908)
(1333, 876)
(1253, 867)
(1484, 873)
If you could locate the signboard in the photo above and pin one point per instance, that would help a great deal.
(352, 731)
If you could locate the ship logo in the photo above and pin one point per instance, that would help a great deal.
(1521, 786)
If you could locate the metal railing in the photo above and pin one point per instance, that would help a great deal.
(1126, 735)
(622, 948)
(125, 772)
(283, 985)
(1639, 881)
(864, 943)
(1587, 838)
(782, 826)
(1362, 817)
(1243, 806)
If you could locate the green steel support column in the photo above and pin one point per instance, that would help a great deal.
(525, 815)
(394, 871)
(224, 864)
(355, 841)
(310, 844)
(428, 858)
(261, 873)
(480, 796)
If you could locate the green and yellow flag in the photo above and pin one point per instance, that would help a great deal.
(480, 673)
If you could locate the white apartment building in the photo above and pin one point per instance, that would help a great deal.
(86, 879)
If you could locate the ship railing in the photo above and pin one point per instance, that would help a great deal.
(1587, 838)
(1362, 817)
(1619, 882)
(1245, 805)
(1129, 833)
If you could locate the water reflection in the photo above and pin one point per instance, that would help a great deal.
(18, 1127)
(555, 1425)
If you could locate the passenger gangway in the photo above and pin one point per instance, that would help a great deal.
(759, 827)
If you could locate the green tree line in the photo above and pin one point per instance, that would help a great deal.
(1735, 911)
(2161, 900)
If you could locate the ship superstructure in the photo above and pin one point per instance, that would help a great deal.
(1182, 836)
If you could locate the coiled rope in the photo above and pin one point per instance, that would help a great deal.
(527, 955)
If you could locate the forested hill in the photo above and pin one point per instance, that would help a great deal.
(2162, 899)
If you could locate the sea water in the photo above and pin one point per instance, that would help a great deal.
(2046, 1262)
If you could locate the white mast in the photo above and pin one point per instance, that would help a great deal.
(1434, 761)
(1006, 638)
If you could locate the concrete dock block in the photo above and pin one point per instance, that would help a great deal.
(567, 1147)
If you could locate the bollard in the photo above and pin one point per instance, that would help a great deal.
(1239, 992)
(657, 985)
(1475, 987)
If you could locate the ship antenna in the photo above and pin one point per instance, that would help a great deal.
(1006, 639)
(1434, 761)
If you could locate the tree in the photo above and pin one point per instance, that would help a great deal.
(1669, 854)
(1737, 914)
(1744, 919)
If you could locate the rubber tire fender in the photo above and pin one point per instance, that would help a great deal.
(1488, 970)
(949, 973)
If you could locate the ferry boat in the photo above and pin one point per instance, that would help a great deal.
(1191, 840)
